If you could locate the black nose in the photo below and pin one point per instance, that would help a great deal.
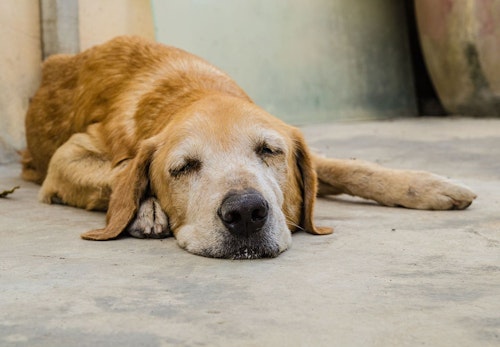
(244, 212)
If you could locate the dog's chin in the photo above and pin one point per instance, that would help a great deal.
(243, 252)
(243, 248)
(260, 245)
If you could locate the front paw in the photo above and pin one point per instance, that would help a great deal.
(432, 192)
(150, 222)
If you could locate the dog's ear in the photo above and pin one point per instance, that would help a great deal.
(128, 189)
(309, 186)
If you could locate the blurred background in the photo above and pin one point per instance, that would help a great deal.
(304, 61)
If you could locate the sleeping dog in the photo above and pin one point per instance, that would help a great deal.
(170, 145)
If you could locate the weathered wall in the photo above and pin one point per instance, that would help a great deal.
(59, 27)
(305, 61)
(103, 20)
(20, 56)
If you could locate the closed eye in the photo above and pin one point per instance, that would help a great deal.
(266, 150)
(189, 166)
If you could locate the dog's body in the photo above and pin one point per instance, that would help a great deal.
(167, 143)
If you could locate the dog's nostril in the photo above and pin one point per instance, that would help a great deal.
(231, 217)
(260, 212)
(244, 213)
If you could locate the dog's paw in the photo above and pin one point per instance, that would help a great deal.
(150, 222)
(427, 191)
(452, 196)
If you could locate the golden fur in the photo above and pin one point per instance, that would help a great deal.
(159, 138)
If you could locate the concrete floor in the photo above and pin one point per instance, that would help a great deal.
(386, 277)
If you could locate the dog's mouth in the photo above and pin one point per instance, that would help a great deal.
(252, 253)
(268, 242)
(261, 244)
(244, 253)
(237, 249)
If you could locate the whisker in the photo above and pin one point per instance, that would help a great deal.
(289, 222)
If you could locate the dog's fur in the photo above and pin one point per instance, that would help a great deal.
(169, 144)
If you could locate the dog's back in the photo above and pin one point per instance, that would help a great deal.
(106, 84)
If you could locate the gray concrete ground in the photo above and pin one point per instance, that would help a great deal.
(386, 277)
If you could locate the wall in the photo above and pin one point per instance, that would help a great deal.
(305, 61)
(103, 20)
(20, 57)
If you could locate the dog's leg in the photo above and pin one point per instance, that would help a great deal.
(411, 189)
(79, 174)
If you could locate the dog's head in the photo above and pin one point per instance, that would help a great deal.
(233, 180)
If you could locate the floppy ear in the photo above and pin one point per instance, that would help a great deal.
(130, 186)
(308, 183)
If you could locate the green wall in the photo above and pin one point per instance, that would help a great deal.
(304, 61)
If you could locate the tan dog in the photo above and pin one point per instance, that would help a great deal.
(167, 143)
